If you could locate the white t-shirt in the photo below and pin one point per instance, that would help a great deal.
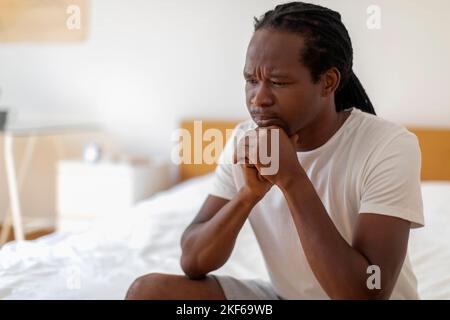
(369, 165)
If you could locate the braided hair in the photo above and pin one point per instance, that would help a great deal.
(327, 45)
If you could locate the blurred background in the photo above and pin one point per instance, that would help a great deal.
(90, 80)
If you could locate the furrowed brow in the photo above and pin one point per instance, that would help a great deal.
(279, 75)
(275, 74)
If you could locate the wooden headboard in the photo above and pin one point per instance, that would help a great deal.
(434, 145)
(192, 170)
(435, 148)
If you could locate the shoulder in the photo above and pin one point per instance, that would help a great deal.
(376, 133)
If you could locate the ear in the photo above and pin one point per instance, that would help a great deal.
(330, 81)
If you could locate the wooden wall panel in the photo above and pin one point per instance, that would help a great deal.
(43, 20)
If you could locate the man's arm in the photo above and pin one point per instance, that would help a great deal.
(340, 267)
(208, 241)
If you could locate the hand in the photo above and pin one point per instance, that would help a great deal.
(282, 166)
(255, 184)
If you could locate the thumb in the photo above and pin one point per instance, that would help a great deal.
(294, 139)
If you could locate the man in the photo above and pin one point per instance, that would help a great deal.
(347, 188)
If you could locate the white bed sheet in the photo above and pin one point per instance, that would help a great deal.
(102, 262)
(429, 246)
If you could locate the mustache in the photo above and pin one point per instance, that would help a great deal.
(269, 119)
(264, 115)
(259, 113)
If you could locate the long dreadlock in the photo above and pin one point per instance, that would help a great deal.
(327, 45)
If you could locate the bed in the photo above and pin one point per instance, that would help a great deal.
(101, 262)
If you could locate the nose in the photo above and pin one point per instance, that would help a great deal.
(262, 97)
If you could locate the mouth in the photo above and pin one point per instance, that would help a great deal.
(262, 122)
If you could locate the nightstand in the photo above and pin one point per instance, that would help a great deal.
(17, 169)
(90, 191)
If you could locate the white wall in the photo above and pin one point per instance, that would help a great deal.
(147, 64)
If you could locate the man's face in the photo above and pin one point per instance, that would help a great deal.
(279, 89)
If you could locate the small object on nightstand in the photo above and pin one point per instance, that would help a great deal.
(92, 152)
(3, 118)
(89, 191)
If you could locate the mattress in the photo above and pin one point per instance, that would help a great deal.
(101, 262)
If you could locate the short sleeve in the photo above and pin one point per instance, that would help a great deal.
(223, 184)
(392, 185)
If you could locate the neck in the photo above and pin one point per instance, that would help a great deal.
(324, 126)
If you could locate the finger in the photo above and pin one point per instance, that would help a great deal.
(259, 176)
(246, 152)
(268, 128)
(239, 151)
(235, 151)
(242, 156)
(294, 139)
(272, 123)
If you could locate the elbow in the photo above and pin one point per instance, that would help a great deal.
(362, 294)
(361, 287)
(190, 268)
(197, 263)
(377, 294)
(188, 263)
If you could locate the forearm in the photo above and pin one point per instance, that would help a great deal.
(339, 268)
(207, 246)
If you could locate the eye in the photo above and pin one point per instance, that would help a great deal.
(251, 81)
(279, 84)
